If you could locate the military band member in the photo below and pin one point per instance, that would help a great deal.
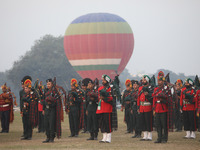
(72, 108)
(136, 115)
(92, 101)
(160, 108)
(116, 94)
(188, 103)
(104, 109)
(52, 112)
(6, 109)
(21, 94)
(179, 117)
(40, 109)
(29, 102)
(126, 104)
(83, 117)
(144, 103)
(197, 96)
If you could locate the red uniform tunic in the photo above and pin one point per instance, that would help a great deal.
(187, 106)
(197, 96)
(105, 107)
(5, 101)
(40, 107)
(142, 102)
(158, 105)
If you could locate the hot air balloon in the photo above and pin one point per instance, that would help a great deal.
(97, 44)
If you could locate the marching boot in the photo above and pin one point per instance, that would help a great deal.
(192, 135)
(108, 139)
(149, 136)
(46, 141)
(187, 135)
(104, 138)
(91, 136)
(134, 136)
(145, 136)
(51, 140)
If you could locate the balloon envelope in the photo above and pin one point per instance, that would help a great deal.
(97, 44)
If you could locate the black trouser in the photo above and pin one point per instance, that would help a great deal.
(85, 117)
(146, 121)
(92, 122)
(105, 122)
(136, 124)
(27, 126)
(50, 122)
(178, 119)
(161, 125)
(73, 120)
(41, 122)
(5, 118)
(129, 120)
(23, 124)
(189, 120)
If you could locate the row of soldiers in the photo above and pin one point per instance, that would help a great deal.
(90, 108)
(147, 106)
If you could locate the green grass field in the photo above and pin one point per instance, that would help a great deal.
(120, 140)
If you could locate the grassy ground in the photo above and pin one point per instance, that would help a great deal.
(120, 140)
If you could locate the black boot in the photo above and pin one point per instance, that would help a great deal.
(91, 136)
(46, 141)
(158, 141)
(134, 136)
(51, 140)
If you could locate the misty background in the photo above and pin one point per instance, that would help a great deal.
(166, 35)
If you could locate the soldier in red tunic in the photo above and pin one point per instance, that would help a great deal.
(6, 104)
(197, 96)
(144, 103)
(104, 109)
(188, 106)
(160, 108)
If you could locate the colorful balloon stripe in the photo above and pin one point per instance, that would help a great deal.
(101, 44)
(96, 67)
(94, 55)
(98, 17)
(83, 62)
(98, 28)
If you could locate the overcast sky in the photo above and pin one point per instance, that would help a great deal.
(166, 32)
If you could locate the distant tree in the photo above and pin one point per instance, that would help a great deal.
(46, 59)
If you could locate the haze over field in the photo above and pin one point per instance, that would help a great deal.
(166, 32)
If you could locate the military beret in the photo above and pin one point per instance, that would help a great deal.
(135, 82)
(190, 81)
(147, 78)
(106, 77)
(49, 80)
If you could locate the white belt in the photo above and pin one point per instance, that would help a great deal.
(157, 101)
(145, 103)
(6, 105)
